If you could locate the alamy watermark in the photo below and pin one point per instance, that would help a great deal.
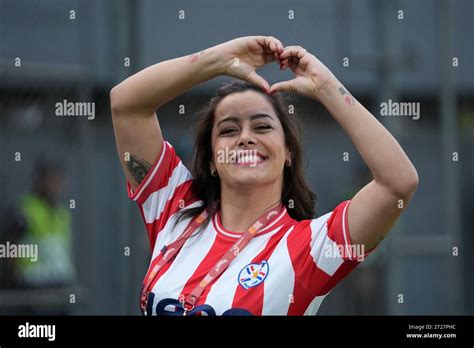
(352, 252)
(28, 330)
(250, 158)
(81, 109)
(393, 108)
(23, 251)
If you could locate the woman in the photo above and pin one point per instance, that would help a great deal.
(238, 237)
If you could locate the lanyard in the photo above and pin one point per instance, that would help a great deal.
(168, 252)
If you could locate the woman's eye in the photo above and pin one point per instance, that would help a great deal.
(227, 131)
(263, 127)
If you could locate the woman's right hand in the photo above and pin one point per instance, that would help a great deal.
(242, 56)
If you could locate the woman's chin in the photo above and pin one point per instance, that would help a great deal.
(252, 179)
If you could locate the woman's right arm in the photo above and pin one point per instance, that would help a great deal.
(135, 100)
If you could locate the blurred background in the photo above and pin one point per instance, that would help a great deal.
(62, 186)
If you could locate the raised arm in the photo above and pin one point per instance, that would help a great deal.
(135, 100)
(376, 207)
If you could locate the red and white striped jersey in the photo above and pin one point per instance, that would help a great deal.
(287, 268)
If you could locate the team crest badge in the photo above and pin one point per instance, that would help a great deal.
(253, 274)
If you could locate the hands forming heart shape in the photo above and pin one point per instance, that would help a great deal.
(243, 56)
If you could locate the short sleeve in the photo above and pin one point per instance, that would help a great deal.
(321, 251)
(165, 190)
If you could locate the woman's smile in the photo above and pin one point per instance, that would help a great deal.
(250, 158)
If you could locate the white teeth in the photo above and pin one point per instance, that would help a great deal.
(246, 158)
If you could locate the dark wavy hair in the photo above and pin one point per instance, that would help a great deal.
(296, 194)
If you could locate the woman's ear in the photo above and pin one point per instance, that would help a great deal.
(288, 158)
(212, 167)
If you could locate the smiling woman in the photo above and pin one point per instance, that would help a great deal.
(243, 118)
(260, 249)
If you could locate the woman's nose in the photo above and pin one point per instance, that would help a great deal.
(246, 138)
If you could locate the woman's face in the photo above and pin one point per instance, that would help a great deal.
(248, 143)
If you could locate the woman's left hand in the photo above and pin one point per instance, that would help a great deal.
(310, 73)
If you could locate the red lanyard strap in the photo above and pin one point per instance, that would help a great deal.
(167, 253)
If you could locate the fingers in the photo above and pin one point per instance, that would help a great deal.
(271, 45)
(274, 44)
(291, 56)
(293, 51)
(259, 81)
(289, 62)
(276, 48)
(284, 86)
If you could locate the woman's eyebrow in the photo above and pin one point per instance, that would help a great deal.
(237, 119)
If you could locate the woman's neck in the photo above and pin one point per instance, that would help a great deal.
(241, 207)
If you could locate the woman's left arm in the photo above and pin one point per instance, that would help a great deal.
(376, 207)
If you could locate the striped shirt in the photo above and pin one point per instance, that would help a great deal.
(288, 268)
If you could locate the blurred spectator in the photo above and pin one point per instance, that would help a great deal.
(48, 225)
(40, 220)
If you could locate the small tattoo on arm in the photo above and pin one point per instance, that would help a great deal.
(349, 99)
(195, 56)
(138, 168)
